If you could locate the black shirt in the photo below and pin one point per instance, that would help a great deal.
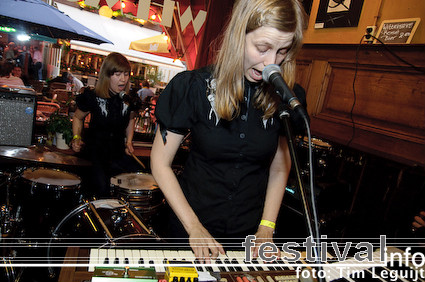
(225, 177)
(109, 118)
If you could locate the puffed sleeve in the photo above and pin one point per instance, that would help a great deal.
(176, 107)
(84, 100)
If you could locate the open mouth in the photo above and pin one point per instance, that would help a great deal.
(257, 75)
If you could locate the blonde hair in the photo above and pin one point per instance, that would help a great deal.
(284, 15)
(114, 62)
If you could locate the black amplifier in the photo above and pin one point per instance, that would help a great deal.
(17, 116)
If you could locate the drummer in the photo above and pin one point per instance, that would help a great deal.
(108, 141)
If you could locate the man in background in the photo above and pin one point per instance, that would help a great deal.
(145, 92)
(17, 72)
(6, 77)
(37, 59)
(75, 82)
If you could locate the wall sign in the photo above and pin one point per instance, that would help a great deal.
(398, 31)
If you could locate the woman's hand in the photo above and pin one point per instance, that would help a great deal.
(264, 235)
(204, 245)
(77, 144)
(419, 220)
(129, 150)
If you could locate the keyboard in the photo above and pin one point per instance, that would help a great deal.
(83, 261)
(233, 264)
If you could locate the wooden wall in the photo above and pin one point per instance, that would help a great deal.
(364, 98)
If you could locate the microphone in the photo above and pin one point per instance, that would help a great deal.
(125, 97)
(273, 75)
(130, 100)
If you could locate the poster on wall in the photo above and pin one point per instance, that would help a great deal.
(338, 13)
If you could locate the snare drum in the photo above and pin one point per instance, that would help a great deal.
(140, 190)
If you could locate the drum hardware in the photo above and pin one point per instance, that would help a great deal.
(9, 271)
(8, 220)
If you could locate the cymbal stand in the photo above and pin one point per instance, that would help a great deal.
(7, 225)
(7, 220)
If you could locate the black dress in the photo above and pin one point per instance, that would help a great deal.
(105, 139)
(226, 173)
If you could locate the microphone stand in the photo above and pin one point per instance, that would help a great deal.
(284, 116)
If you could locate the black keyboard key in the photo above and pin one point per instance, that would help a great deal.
(259, 268)
(237, 268)
(221, 268)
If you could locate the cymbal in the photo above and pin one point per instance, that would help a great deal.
(41, 155)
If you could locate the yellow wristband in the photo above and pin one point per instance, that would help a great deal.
(268, 223)
(76, 136)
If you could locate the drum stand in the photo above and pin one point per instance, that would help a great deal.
(8, 223)
(7, 220)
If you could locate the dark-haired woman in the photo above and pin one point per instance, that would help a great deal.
(107, 142)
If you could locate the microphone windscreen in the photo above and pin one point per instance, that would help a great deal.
(269, 70)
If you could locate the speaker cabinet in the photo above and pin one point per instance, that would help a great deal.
(17, 116)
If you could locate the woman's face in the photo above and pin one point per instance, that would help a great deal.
(119, 81)
(264, 46)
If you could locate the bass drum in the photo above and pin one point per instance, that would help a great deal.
(141, 191)
(103, 222)
(100, 224)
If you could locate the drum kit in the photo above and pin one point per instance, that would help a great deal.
(40, 202)
(322, 156)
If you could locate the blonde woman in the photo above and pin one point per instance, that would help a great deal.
(108, 139)
(234, 179)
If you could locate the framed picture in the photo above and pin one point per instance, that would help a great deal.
(338, 13)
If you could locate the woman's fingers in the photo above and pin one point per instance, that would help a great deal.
(205, 247)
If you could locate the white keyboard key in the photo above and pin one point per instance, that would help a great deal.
(111, 256)
(144, 258)
(128, 256)
(119, 256)
(94, 259)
